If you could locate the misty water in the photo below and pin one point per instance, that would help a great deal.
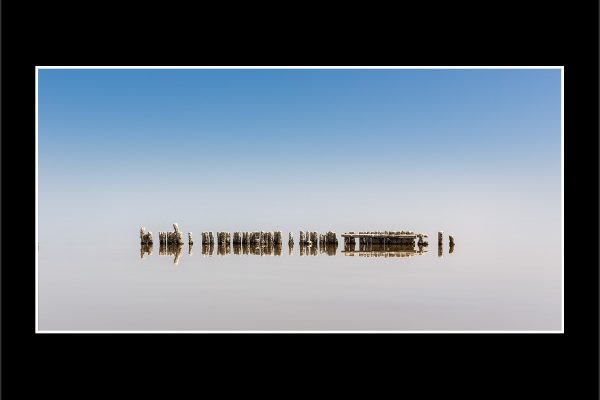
(487, 282)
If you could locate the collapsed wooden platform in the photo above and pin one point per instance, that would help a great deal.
(384, 237)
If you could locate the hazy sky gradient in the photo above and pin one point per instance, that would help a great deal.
(467, 151)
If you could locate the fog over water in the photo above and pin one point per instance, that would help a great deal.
(473, 153)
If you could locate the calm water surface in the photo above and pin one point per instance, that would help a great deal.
(484, 284)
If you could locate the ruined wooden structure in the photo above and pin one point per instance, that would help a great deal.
(383, 237)
(371, 243)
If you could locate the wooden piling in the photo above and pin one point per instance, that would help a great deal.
(145, 237)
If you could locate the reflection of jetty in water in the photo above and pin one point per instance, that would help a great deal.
(226, 248)
(257, 249)
(384, 250)
(384, 244)
(322, 248)
(171, 250)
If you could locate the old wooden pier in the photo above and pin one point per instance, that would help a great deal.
(371, 243)
(384, 237)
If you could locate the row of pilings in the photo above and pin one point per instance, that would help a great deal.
(270, 243)
(306, 237)
(314, 238)
(252, 243)
(256, 238)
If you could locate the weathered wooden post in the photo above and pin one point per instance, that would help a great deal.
(290, 239)
(314, 238)
(145, 237)
(451, 239)
(440, 237)
(178, 249)
(190, 240)
(331, 237)
(269, 239)
(178, 235)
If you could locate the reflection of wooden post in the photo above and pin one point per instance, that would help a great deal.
(145, 249)
(178, 250)
(207, 249)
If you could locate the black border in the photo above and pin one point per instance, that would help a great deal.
(516, 365)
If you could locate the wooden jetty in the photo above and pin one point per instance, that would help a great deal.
(384, 237)
(371, 243)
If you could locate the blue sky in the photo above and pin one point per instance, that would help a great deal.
(241, 148)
